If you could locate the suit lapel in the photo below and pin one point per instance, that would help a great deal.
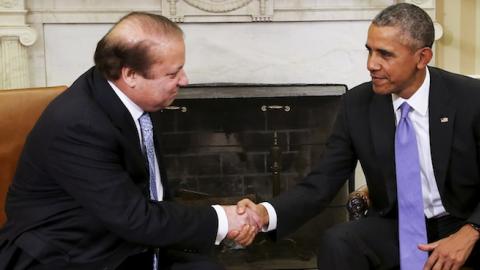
(120, 117)
(122, 120)
(382, 123)
(441, 120)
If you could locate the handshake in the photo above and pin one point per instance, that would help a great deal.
(245, 220)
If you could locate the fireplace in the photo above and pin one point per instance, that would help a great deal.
(226, 141)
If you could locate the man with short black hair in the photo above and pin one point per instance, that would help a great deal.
(415, 130)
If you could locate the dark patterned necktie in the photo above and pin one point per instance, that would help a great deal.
(146, 128)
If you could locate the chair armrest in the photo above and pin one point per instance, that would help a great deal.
(358, 203)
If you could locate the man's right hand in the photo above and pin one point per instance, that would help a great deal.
(242, 227)
(247, 205)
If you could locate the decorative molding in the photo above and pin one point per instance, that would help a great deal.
(218, 10)
(80, 16)
(263, 7)
(14, 61)
(438, 30)
(263, 15)
(173, 11)
(419, 2)
(218, 6)
(26, 35)
(9, 4)
(12, 12)
(207, 11)
(173, 7)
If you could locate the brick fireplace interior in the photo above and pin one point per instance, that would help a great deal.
(225, 141)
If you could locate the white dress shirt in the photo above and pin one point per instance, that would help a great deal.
(136, 112)
(432, 203)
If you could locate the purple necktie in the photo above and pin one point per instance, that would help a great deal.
(411, 220)
(149, 149)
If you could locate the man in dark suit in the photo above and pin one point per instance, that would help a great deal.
(89, 191)
(445, 114)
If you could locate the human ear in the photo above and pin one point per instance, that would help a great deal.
(129, 76)
(425, 55)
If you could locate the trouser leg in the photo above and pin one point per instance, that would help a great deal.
(368, 243)
(178, 260)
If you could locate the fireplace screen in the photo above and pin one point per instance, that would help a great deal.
(223, 142)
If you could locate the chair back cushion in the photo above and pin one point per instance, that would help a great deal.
(19, 110)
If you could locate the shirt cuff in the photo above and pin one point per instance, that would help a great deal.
(222, 224)
(272, 217)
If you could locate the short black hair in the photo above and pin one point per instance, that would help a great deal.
(412, 20)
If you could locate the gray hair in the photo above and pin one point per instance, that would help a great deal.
(412, 20)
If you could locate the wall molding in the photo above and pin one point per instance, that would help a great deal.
(26, 35)
(207, 11)
(10, 4)
(15, 36)
(217, 6)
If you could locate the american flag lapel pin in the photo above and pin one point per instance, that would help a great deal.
(444, 120)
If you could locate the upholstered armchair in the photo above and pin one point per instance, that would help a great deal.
(19, 110)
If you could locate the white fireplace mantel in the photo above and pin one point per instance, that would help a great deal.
(232, 41)
(195, 11)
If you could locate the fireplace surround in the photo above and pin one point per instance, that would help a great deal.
(232, 140)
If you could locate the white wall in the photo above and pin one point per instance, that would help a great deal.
(69, 50)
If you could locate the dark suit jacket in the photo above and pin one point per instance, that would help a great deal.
(365, 131)
(80, 193)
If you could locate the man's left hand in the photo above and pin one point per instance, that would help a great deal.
(451, 252)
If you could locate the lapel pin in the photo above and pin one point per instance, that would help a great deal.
(444, 120)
